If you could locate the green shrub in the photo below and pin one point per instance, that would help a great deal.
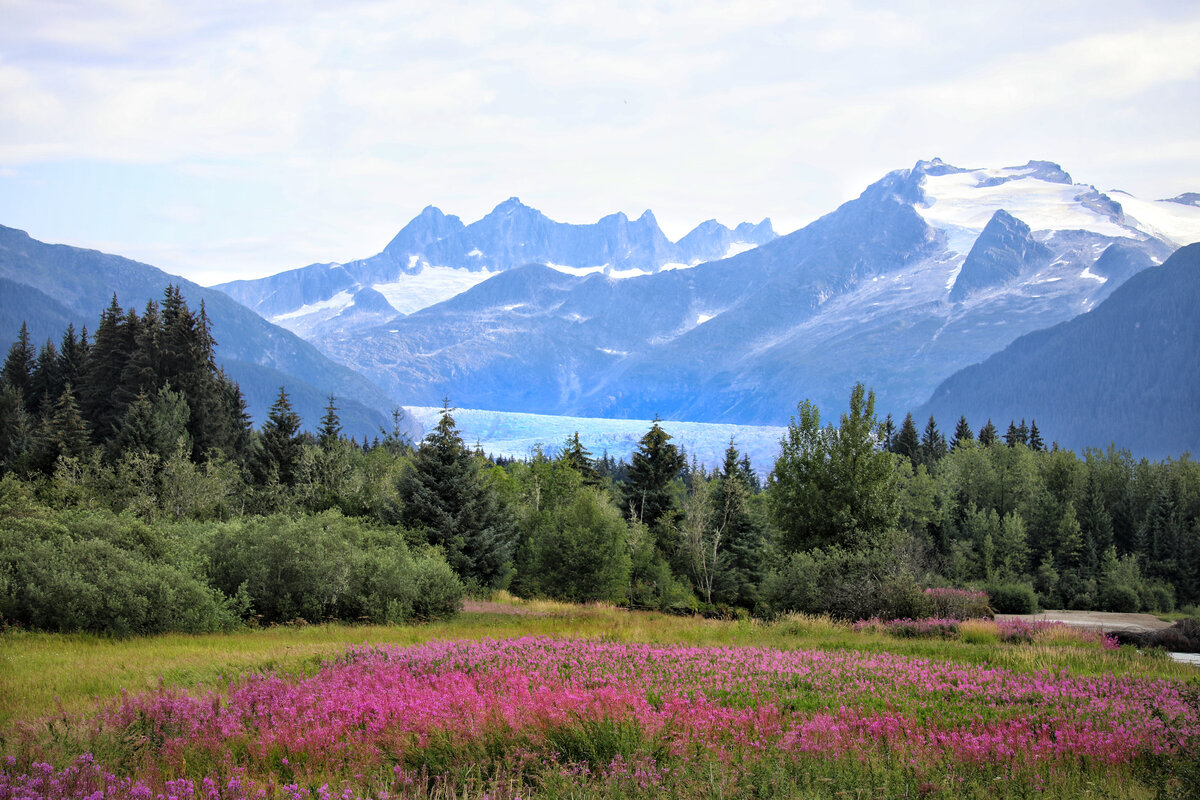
(1013, 598)
(94, 586)
(326, 566)
(1120, 598)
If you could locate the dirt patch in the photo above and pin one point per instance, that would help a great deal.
(1097, 620)
(488, 607)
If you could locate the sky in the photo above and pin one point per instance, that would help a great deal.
(231, 139)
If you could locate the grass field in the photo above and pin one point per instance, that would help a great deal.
(565, 701)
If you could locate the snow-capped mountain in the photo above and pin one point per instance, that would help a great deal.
(931, 269)
(435, 257)
(1124, 372)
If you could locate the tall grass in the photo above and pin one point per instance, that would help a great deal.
(40, 673)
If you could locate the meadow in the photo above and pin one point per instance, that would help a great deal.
(557, 700)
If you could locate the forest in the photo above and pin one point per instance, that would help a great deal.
(136, 497)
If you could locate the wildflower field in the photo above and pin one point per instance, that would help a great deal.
(581, 708)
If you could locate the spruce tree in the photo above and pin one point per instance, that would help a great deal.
(655, 465)
(933, 444)
(579, 458)
(18, 366)
(330, 431)
(446, 498)
(1012, 436)
(1035, 438)
(962, 433)
(279, 446)
(46, 384)
(987, 434)
(908, 444)
(887, 434)
(64, 433)
(743, 536)
(106, 362)
(72, 357)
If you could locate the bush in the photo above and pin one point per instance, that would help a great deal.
(1120, 598)
(1013, 598)
(326, 566)
(94, 586)
(847, 585)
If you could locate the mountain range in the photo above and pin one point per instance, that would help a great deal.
(1126, 372)
(49, 286)
(435, 257)
(931, 269)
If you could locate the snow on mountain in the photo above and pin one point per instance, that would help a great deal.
(931, 269)
(516, 435)
(1173, 220)
(436, 257)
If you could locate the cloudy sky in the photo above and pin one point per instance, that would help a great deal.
(232, 139)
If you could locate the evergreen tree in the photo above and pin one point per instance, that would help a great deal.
(887, 434)
(579, 458)
(17, 431)
(1035, 438)
(72, 357)
(105, 365)
(987, 434)
(18, 366)
(280, 443)
(330, 431)
(962, 433)
(446, 497)
(46, 384)
(743, 535)
(933, 444)
(64, 433)
(655, 465)
(396, 441)
(908, 443)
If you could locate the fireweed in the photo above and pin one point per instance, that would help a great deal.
(519, 716)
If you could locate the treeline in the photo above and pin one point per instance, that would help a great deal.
(857, 519)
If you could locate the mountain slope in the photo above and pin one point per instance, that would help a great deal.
(50, 285)
(866, 293)
(1125, 372)
(435, 257)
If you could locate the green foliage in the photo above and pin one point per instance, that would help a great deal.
(98, 572)
(846, 584)
(326, 566)
(446, 498)
(577, 550)
(834, 486)
(655, 465)
(1013, 598)
(1118, 597)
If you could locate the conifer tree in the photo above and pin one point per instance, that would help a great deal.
(579, 458)
(280, 447)
(46, 384)
(887, 434)
(987, 434)
(106, 362)
(330, 431)
(446, 497)
(18, 366)
(1035, 438)
(962, 433)
(655, 465)
(744, 537)
(933, 444)
(64, 433)
(72, 357)
(908, 444)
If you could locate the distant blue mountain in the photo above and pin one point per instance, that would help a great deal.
(512, 235)
(1125, 372)
(930, 270)
(49, 286)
